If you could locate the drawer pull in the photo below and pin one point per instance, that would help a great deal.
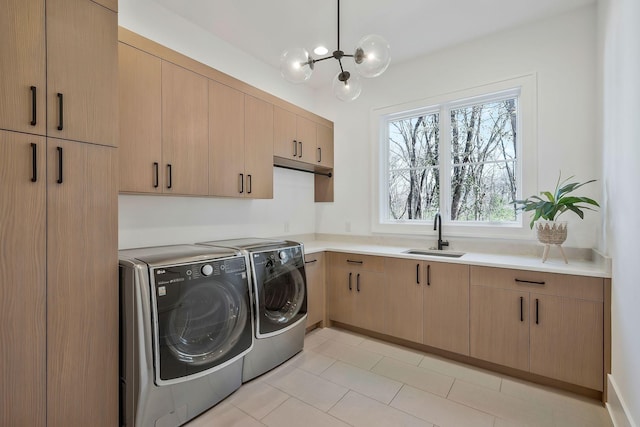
(350, 274)
(531, 282)
(311, 262)
(350, 261)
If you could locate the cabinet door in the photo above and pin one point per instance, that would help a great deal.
(82, 291)
(285, 143)
(185, 131)
(22, 280)
(369, 300)
(403, 294)
(567, 339)
(314, 269)
(226, 140)
(341, 288)
(140, 104)
(258, 154)
(324, 150)
(82, 66)
(306, 136)
(499, 326)
(446, 307)
(22, 66)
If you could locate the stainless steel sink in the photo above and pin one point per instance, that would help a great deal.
(434, 252)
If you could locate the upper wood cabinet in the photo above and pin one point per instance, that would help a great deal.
(140, 93)
(240, 144)
(294, 136)
(185, 131)
(324, 150)
(82, 73)
(22, 283)
(23, 82)
(110, 4)
(226, 141)
(258, 152)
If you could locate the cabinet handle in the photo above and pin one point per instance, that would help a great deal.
(350, 261)
(537, 303)
(170, 176)
(241, 183)
(428, 274)
(59, 149)
(61, 112)
(34, 162)
(319, 154)
(34, 103)
(522, 309)
(531, 282)
(156, 167)
(350, 274)
(295, 148)
(311, 262)
(248, 184)
(300, 142)
(358, 282)
(418, 274)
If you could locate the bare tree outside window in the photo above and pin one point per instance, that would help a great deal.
(414, 187)
(483, 154)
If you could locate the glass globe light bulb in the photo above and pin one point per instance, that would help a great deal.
(296, 65)
(347, 86)
(372, 56)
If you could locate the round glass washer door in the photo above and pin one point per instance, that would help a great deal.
(206, 323)
(283, 292)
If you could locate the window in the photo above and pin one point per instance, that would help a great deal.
(461, 156)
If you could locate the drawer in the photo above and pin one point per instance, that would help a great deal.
(566, 285)
(356, 261)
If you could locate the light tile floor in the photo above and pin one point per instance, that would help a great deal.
(345, 379)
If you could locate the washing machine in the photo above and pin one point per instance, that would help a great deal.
(280, 301)
(185, 326)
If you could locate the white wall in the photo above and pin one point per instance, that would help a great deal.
(152, 220)
(560, 50)
(619, 48)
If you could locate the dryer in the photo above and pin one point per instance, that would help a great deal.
(186, 324)
(280, 301)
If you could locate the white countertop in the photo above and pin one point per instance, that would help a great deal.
(575, 266)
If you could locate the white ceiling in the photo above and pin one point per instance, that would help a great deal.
(264, 28)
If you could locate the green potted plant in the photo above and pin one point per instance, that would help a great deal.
(550, 206)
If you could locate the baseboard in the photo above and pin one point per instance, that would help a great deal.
(616, 406)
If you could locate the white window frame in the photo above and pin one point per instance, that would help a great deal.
(525, 87)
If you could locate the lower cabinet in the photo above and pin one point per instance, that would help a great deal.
(58, 288)
(356, 290)
(428, 303)
(314, 270)
(544, 323)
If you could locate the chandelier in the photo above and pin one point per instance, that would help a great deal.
(371, 58)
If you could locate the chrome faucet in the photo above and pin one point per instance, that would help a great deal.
(437, 225)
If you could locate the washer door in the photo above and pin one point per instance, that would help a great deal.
(281, 290)
(203, 322)
(206, 323)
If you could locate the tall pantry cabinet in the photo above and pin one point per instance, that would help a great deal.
(58, 213)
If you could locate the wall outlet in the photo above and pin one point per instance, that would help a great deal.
(286, 226)
(347, 226)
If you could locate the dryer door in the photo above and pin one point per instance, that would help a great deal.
(280, 286)
(203, 318)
